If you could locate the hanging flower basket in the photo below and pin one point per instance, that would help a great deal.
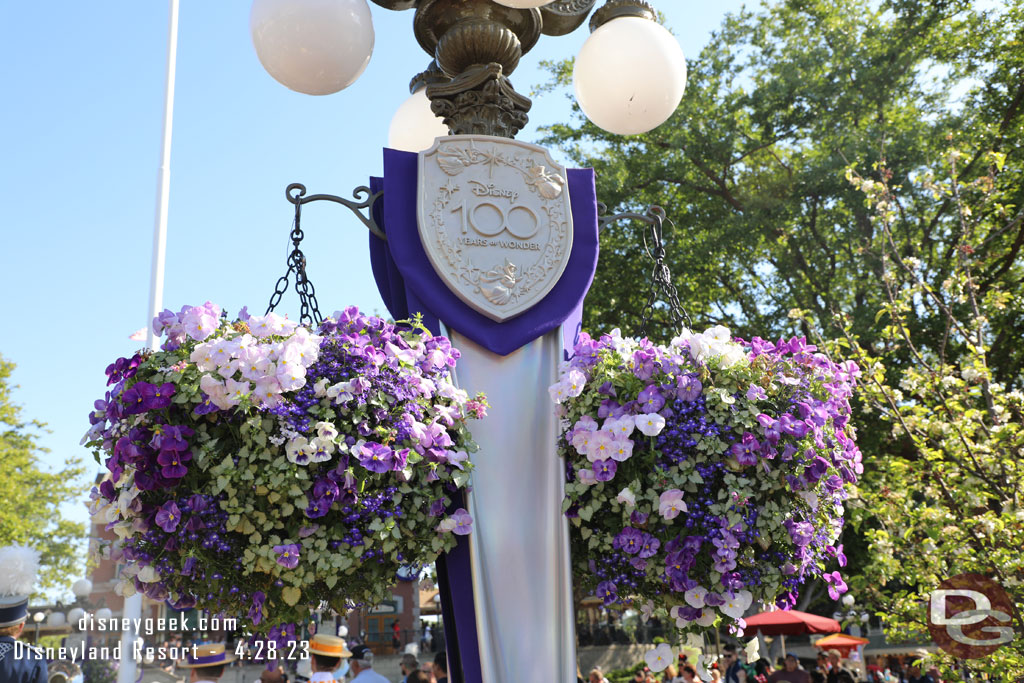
(259, 467)
(705, 475)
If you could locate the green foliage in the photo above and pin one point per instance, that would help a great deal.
(30, 496)
(914, 266)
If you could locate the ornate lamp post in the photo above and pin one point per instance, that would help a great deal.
(509, 591)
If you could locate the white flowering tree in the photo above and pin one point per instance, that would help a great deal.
(950, 497)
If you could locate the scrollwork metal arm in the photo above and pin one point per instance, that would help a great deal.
(364, 199)
(661, 279)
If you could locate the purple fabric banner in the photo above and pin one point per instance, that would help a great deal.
(408, 285)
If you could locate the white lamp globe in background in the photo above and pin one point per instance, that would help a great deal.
(81, 588)
(56, 619)
(75, 616)
(414, 125)
(38, 617)
(848, 600)
(523, 4)
(316, 47)
(630, 75)
(103, 614)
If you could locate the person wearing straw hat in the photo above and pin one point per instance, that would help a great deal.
(326, 653)
(18, 663)
(207, 663)
(362, 666)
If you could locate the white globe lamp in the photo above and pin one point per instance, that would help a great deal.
(75, 615)
(56, 620)
(630, 75)
(81, 588)
(316, 47)
(414, 126)
(103, 614)
(523, 4)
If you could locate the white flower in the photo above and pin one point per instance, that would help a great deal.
(659, 658)
(622, 427)
(326, 430)
(447, 525)
(695, 596)
(626, 497)
(810, 498)
(298, 450)
(148, 575)
(971, 375)
(848, 600)
(558, 392)
(703, 662)
(731, 354)
(320, 388)
(125, 588)
(753, 651)
(586, 476)
(575, 381)
(736, 606)
(340, 392)
(650, 424)
(670, 504)
(646, 610)
(320, 449)
(706, 618)
(718, 333)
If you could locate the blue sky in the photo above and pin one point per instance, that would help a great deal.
(80, 141)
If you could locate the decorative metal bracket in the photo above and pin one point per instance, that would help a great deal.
(661, 279)
(364, 199)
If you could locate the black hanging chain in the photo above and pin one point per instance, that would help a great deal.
(661, 278)
(309, 312)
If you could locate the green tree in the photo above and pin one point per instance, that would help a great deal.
(772, 237)
(30, 497)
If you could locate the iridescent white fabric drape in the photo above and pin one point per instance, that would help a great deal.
(522, 585)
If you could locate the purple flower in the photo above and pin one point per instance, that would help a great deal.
(168, 516)
(836, 585)
(190, 564)
(436, 508)
(604, 470)
(638, 518)
(800, 532)
(714, 600)
(834, 483)
(463, 522)
(786, 601)
(206, 406)
(318, 507)
(256, 611)
(650, 546)
(732, 581)
(746, 451)
(196, 503)
(816, 470)
(606, 590)
(677, 564)
(650, 399)
(376, 457)
(287, 555)
(688, 388)
(629, 541)
(838, 553)
(172, 463)
(794, 427)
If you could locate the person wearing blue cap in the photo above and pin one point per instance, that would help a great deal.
(362, 666)
(19, 663)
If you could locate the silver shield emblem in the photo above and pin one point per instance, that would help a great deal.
(495, 221)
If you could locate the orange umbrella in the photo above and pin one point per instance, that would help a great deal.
(842, 642)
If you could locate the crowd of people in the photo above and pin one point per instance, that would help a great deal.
(828, 667)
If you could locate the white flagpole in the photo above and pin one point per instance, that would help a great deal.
(133, 605)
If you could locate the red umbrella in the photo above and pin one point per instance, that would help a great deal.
(790, 623)
(841, 642)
